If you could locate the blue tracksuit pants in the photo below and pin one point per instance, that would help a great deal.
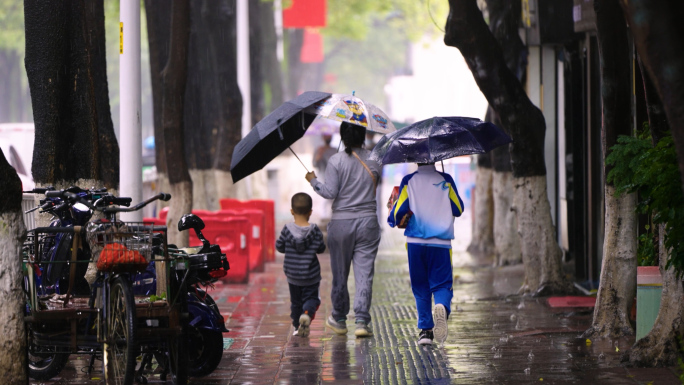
(431, 274)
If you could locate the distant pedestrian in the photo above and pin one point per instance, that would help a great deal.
(428, 201)
(300, 241)
(353, 232)
(323, 154)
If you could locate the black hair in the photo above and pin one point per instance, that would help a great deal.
(352, 136)
(301, 203)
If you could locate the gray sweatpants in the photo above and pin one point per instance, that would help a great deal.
(353, 241)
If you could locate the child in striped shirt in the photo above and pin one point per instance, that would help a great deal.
(301, 241)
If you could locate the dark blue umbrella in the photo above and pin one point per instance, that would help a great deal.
(439, 138)
(273, 134)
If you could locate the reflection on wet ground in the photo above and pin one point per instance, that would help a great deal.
(494, 337)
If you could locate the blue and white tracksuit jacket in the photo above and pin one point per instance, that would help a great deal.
(434, 201)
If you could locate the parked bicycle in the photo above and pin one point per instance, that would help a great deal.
(109, 322)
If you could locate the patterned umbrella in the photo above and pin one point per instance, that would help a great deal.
(349, 108)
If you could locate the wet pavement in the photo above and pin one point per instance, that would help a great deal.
(495, 337)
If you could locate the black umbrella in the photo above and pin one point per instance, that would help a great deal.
(439, 138)
(273, 134)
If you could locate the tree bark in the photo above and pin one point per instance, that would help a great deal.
(295, 40)
(504, 22)
(617, 287)
(174, 77)
(482, 240)
(256, 46)
(65, 65)
(13, 351)
(506, 240)
(230, 133)
(467, 31)
(271, 72)
(657, 120)
(658, 34)
(158, 36)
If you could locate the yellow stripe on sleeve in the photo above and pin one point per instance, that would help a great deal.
(454, 198)
(402, 198)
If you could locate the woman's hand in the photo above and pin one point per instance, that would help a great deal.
(310, 176)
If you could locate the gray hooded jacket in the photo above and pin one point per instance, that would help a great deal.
(300, 245)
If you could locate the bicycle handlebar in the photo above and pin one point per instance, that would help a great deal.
(160, 196)
(72, 195)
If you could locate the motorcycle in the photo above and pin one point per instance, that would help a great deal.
(206, 325)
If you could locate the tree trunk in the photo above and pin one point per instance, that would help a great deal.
(174, 77)
(658, 34)
(482, 240)
(255, 58)
(506, 240)
(230, 133)
(617, 287)
(203, 114)
(295, 68)
(13, 352)
(270, 70)
(158, 35)
(65, 65)
(467, 31)
(657, 120)
(504, 22)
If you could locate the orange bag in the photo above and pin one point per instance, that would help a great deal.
(117, 256)
(390, 203)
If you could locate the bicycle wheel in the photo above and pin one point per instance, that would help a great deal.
(45, 362)
(120, 348)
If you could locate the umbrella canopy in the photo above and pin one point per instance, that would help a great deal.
(273, 134)
(349, 108)
(439, 138)
(286, 124)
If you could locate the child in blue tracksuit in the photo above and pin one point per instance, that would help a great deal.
(433, 200)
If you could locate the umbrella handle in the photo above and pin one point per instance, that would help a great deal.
(300, 161)
(441, 161)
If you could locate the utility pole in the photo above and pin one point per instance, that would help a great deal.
(243, 71)
(130, 130)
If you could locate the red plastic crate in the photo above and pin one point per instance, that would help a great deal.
(268, 207)
(257, 250)
(232, 235)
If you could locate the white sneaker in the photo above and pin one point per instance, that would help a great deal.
(296, 332)
(304, 322)
(440, 317)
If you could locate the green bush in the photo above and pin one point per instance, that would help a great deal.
(652, 173)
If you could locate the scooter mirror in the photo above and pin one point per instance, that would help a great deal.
(190, 221)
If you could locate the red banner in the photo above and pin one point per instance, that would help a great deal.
(305, 13)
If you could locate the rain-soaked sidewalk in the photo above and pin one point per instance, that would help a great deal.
(494, 336)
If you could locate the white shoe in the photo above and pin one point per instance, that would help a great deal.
(296, 332)
(440, 317)
(304, 322)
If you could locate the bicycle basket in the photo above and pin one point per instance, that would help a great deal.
(120, 246)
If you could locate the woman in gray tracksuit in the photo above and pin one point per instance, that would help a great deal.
(353, 231)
